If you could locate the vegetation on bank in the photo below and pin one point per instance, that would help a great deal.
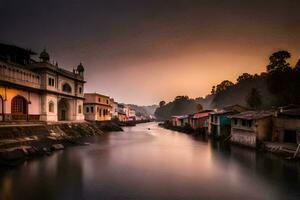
(278, 86)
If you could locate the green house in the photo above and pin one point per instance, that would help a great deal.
(219, 121)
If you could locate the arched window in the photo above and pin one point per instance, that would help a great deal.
(87, 109)
(67, 88)
(18, 105)
(51, 107)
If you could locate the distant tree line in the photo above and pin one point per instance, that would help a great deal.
(282, 80)
(279, 85)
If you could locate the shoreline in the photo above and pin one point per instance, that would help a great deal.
(21, 141)
(265, 147)
(24, 141)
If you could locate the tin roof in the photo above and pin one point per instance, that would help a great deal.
(248, 115)
(293, 113)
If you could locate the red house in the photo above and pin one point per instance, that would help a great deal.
(200, 120)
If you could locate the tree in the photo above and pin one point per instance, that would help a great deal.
(243, 77)
(199, 107)
(297, 66)
(162, 103)
(254, 98)
(181, 98)
(278, 61)
(213, 90)
(224, 85)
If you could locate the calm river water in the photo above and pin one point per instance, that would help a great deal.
(148, 162)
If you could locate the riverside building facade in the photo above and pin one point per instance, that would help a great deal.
(97, 107)
(33, 90)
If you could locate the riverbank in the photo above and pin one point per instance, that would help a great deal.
(22, 141)
(283, 150)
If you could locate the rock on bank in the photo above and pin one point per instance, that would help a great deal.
(21, 141)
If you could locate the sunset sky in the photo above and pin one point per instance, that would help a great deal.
(143, 51)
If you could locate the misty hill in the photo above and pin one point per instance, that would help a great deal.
(206, 102)
(145, 111)
(237, 93)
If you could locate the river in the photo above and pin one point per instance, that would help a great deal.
(149, 162)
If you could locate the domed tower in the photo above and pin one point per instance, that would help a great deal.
(80, 69)
(44, 56)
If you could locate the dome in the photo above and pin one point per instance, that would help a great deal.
(80, 68)
(44, 56)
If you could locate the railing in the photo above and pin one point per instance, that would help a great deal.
(21, 117)
(18, 117)
(13, 74)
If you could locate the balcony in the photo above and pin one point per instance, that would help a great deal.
(17, 75)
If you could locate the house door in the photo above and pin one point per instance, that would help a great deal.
(63, 115)
(63, 110)
(290, 136)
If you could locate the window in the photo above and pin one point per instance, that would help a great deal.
(51, 81)
(107, 101)
(79, 109)
(87, 109)
(249, 123)
(92, 109)
(99, 99)
(80, 90)
(235, 121)
(244, 122)
(67, 88)
(19, 105)
(100, 112)
(51, 107)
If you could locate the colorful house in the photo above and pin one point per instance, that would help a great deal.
(175, 121)
(200, 120)
(114, 108)
(180, 120)
(286, 127)
(122, 116)
(132, 115)
(219, 121)
(97, 107)
(251, 126)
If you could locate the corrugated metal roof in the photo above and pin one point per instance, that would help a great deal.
(252, 115)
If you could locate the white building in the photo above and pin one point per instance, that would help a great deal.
(131, 114)
(114, 108)
(38, 90)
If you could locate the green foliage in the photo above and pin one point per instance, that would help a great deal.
(278, 61)
(282, 80)
(224, 85)
(237, 94)
(199, 107)
(162, 103)
(181, 105)
(244, 77)
(254, 99)
(213, 90)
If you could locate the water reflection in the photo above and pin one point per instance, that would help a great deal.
(153, 164)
